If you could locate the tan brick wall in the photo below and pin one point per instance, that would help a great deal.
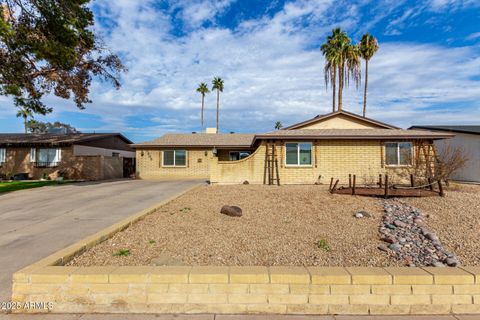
(341, 122)
(76, 167)
(330, 158)
(149, 166)
(284, 290)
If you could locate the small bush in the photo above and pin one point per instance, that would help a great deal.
(122, 253)
(323, 244)
(186, 209)
(152, 241)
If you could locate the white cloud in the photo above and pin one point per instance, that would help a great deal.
(473, 36)
(272, 68)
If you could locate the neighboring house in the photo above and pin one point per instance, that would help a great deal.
(88, 156)
(332, 145)
(468, 139)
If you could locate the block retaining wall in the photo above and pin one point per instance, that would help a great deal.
(278, 290)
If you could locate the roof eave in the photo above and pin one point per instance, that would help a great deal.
(138, 146)
(351, 137)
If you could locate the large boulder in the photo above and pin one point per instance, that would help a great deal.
(232, 211)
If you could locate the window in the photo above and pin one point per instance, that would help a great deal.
(3, 155)
(115, 154)
(174, 158)
(398, 153)
(238, 155)
(46, 157)
(298, 154)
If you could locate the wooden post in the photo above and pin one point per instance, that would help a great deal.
(386, 186)
(380, 181)
(349, 180)
(269, 169)
(265, 166)
(278, 176)
(440, 187)
(331, 184)
(430, 184)
(353, 185)
(412, 180)
(273, 161)
(334, 186)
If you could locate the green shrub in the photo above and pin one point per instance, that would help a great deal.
(323, 244)
(122, 253)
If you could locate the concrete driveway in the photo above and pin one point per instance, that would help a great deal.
(37, 222)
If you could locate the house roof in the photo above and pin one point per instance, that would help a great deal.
(247, 140)
(459, 129)
(343, 134)
(200, 140)
(319, 118)
(23, 139)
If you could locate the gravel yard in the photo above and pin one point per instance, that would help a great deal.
(456, 220)
(286, 225)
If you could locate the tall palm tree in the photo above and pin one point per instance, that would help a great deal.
(341, 59)
(330, 69)
(217, 84)
(203, 90)
(25, 113)
(368, 47)
(278, 125)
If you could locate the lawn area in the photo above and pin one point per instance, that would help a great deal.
(20, 185)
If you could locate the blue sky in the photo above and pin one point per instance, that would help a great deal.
(427, 70)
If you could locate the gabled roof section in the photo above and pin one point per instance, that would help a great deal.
(344, 114)
(45, 139)
(448, 128)
(237, 140)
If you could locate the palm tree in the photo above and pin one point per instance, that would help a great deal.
(203, 90)
(25, 113)
(330, 69)
(217, 84)
(278, 125)
(368, 47)
(341, 59)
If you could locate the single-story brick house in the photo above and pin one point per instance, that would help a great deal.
(467, 138)
(312, 151)
(86, 156)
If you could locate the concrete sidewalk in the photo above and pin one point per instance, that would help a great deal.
(37, 222)
(228, 317)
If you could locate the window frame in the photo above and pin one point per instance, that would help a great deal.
(239, 151)
(298, 154)
(174, 159)
(398, 165)
(42, 164)
(4, 160)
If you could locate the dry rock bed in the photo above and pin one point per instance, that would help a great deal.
(280, 225)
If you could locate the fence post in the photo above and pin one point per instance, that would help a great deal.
(386, 186)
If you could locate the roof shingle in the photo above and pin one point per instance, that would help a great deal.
(460, 129)
(200, 140)
(53, 139)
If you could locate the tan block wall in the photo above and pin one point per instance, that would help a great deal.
(330, 158)
(76, 167)
(149, 166)
(279, 290)
(341, 122)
